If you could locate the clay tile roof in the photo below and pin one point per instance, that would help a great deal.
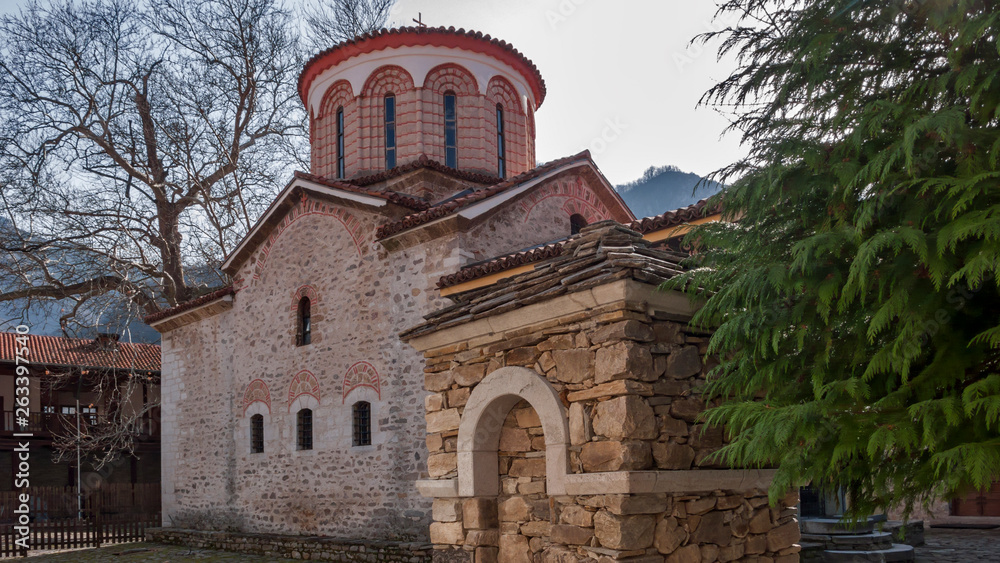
(674, 218)
(188, 305)
(85, 353)
(602, 253)
(423, 163)
(502, 263)
(394, 37)
(451, 206)
(404, 200)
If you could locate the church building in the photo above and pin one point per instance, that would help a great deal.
(290, 404)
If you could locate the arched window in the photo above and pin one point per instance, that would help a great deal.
(501, 145)
(451, 130)
(257, 434)
(576, 223)
(362, 423)
(304, 430)
(340, 143)
(390, 131)
(304, 329)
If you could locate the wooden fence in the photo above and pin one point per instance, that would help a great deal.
(59, 519)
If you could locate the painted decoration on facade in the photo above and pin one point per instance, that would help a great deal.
(362, 374)
(305, 291)
(257, 392)
(304, 383)
(579, 200)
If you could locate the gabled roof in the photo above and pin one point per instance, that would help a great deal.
(322, 186)
(55, 351)
(411, 36)
(698, 210)
(525, 180)
(602, 253)
(188, 305)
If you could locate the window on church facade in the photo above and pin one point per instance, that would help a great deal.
(362, 423)
(451, 130)
(501, 145)
(304, 430)
(340, 143)
(576, 223)
(257, 434)
(390, 131)
(304, 329)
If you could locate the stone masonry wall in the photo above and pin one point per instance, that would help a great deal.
(630, 384)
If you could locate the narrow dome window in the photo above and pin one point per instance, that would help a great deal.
(340, 143)
(451, 130)
(390, 131)
(501, 145)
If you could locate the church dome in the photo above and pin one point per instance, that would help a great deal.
(391, 98)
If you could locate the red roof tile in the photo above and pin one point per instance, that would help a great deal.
(186, 306)
(406, 36)
(675, 218)
(58, 351)
(451, 206)
(423, 162)
(404, 200)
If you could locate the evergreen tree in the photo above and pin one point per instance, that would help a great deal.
(854, 288)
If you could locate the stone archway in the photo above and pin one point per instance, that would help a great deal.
(482, 422)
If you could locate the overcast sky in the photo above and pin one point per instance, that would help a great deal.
(621, 79)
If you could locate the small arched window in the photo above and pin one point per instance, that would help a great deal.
(451, 130)
(390, 131)
(340, 143)
(501, 145)
(257, 434)
(304, 430)
(576, 223)
(304, 329)
(362, 423)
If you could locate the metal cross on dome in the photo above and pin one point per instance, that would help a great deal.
(419, 21)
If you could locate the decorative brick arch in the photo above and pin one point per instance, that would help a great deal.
(361, 374)
(501, 91)
(579, 199)
(360, 234)
(323, 133)
(451, 76)
(479, 430)
(256, 392)
(305, 291)
(303, 383)
(385, 79)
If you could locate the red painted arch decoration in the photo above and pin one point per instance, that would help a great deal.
(305, 291)
(256, 392)
(361, 374)
(580, 199)
(304, 383)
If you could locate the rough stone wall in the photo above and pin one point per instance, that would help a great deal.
(631, 387)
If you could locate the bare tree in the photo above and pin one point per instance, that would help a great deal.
(334, 21)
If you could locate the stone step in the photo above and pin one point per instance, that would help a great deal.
(898, 553)
(855, 542)
(836, 526)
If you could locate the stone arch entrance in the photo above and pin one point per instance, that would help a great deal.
(482, 423)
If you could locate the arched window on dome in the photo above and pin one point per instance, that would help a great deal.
(390, 131)
(451, 129)
(576, 223)
(303, 332)
(340, 142)
(501, 145)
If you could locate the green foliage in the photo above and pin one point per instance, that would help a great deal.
(855, 289)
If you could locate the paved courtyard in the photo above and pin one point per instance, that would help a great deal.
(943, 546)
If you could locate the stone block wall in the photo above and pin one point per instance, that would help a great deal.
(629, 385)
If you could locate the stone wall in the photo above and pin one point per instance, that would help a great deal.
(640, 482)
(309, 548)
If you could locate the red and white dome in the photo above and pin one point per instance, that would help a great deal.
(384, 100)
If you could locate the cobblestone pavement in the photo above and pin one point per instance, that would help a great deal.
(959, 546)
(149, 553)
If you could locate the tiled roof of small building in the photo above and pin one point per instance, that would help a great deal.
(414, 203)
(423, 163)
(602, 253)
(666, 220)
(53, 351)
(451, 206)
(188, 305)
(387, 38)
